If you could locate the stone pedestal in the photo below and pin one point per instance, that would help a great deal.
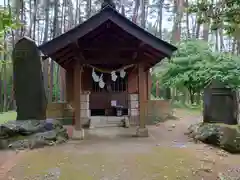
(84, 108)
(127, 122)
(134, 109)
(142, 132)
(78, 134)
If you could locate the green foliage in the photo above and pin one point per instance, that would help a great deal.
(195, 65)
(7, 116)
(186, 67)
(221, 14)
(5, 20)
(225, 68)
(7, 23)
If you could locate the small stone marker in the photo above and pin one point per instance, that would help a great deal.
(28, 81)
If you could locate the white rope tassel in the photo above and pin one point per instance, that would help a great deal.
(101, 83)
(114, 76)
(122, 73)
(95, 76)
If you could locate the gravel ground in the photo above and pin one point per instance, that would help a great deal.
(114, 154)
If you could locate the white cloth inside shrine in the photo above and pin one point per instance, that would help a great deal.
(96, 78)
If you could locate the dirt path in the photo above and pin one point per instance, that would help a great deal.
(113, 154)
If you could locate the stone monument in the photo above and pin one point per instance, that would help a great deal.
(28, 81)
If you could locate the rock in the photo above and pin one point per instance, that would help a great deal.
(124, 123)
(230, 139)
(226, 137)
(206, 169)
(28, 81)
(28, 127)
(33, 133)
(222, 153)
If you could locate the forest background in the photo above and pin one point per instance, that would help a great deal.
(205, 31)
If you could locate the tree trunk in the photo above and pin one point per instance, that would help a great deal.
(187, 21)
(135, 11)
(143, 14)
(45, 38)
(160, 17)
(205, 31)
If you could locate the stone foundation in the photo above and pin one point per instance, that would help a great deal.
(142, 132)
(78, 134)
(84, 108)
(133, 110)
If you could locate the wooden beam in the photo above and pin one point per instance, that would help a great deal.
(68, 62)
(107, 34)
(64, 58)
(61, 52)
(149, 84)
(110, 49)
(95, 34)
(106, 43)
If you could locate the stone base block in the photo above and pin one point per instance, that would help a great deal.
(126, 123)
(85, 122)
(78, 134)
(134, 120)
(142, 132)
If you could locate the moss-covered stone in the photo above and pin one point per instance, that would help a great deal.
(31, 134)
(225, 136)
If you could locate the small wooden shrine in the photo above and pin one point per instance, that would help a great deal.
(107, 59)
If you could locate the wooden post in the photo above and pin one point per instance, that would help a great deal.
(69, 85)
(142, 130)
(78, 132)
(141, 96)
(77, 91)
(149, 80)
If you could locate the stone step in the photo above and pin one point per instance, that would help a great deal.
(106, 121)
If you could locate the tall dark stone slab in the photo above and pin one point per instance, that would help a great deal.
(28, 81)
(219, 104)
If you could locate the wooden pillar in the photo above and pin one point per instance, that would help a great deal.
(149, 85)
(69, 85)
(142, 131)
(141, 90)
(77, 95)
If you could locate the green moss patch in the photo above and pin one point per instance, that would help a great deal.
(7, 116)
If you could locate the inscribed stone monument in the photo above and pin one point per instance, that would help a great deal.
(220, 104)
(28, 81)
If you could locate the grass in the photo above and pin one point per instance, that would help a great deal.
(187, 106)
(7, 116)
